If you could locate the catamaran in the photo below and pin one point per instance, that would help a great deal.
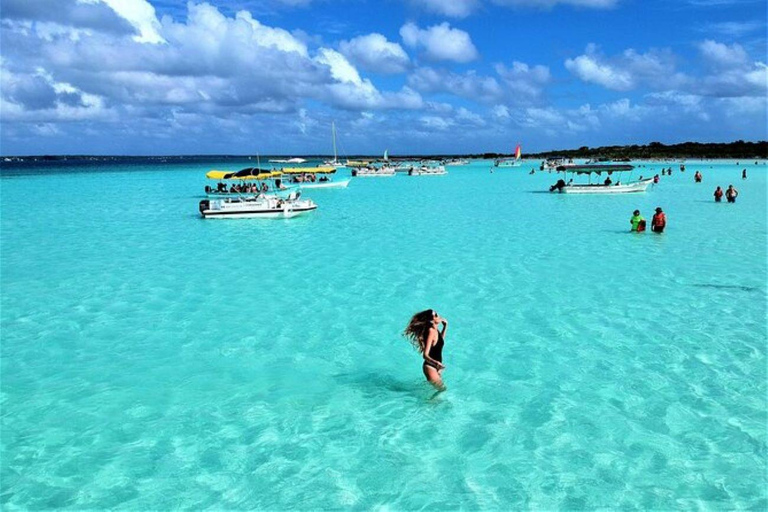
(608, 186)
(262, 206)
(510, 162)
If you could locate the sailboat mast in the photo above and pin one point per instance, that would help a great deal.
(333, 131)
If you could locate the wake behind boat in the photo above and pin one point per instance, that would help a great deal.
(606, 187)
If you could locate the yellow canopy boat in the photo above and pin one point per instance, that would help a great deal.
(309, 170)
(250, 173)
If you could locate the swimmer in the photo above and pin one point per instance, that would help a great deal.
(659, 221)
(637, 222)
(424, 333)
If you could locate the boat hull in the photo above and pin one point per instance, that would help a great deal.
(257, 214)
(328, 184)
(631, 188)
(420, 173)
(270, 207)
(374, 175)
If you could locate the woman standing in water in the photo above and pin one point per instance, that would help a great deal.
(424, 333)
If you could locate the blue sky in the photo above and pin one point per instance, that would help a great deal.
(146, 77)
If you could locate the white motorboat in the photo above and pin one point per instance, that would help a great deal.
(328, 183)
(552, 163)
(437, 170)
(264, 206)
(606, 187)
(295, 160)
(385, 171)
(456, 162)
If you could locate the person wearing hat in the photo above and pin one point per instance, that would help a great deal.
(659, 221)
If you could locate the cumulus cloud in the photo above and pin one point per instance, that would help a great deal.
(526, 82)
(374, 53)
(589, 69)
(84, 15)
(440, 42)
(626, 71)
(141, 15)
(723, 55)
(208, 63)
(468, 85)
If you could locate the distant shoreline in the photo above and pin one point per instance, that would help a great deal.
(653, 151)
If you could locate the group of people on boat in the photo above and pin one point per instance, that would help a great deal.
(308, 178)
(730, 194)
(243, 188)
(237, 188)
(658, 222)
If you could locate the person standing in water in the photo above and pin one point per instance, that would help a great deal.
(718, 195)
(744, 174)
(426, 332)
(731, 194)
(659, 221)
(637, 222)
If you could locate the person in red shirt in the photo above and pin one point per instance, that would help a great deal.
(718, 194)
(659, 221)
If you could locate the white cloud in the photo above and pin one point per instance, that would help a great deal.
(733, 28)
(589, 69)
(723, 55)
(451, 8)
(140, 14)
(468, 85)
(440, 42)
(501, 112)
(341, 69)
(374, 53)
(625, 71)
(524, 80)
(436, 123)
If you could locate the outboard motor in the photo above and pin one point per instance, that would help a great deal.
(557, 186)
(204, 205)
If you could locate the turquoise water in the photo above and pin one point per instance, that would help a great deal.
(154, 360)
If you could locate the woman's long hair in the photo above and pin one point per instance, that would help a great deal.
(418, 329)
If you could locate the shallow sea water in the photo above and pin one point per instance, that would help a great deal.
(155, 360)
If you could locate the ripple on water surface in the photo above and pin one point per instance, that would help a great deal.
(152, 360)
